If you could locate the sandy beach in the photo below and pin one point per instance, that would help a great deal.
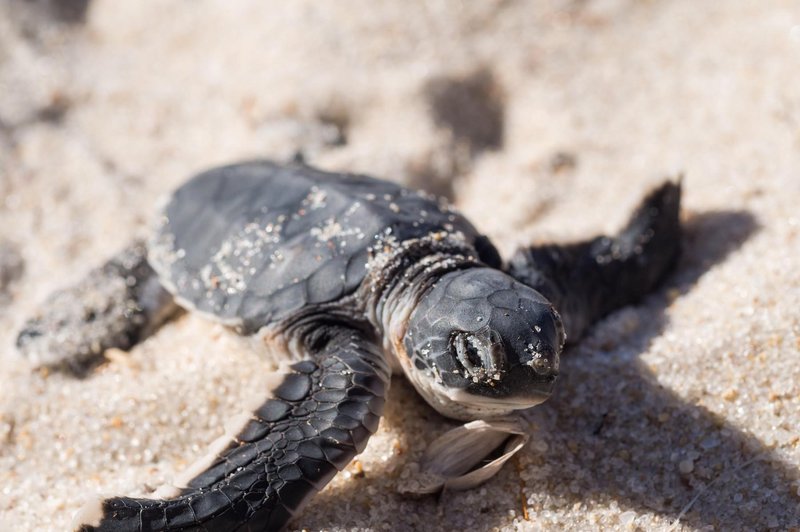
(541, 121)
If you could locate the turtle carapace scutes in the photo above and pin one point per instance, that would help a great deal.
(354, 279)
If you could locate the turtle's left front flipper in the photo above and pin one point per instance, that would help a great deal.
(587, 280)
(320, 416)
(116, 305)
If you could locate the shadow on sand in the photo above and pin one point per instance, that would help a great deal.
(640, 444)
(615, 434)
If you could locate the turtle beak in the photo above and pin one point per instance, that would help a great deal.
(521, 388)
(542, 389)
(531, 386)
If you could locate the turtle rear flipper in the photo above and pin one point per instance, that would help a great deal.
(116, 305)
(587, 280)
(320, 416)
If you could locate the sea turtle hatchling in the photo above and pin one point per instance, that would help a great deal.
(353, 279)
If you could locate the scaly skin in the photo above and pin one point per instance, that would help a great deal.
(320, 417)
(587, 280)
(339, 264)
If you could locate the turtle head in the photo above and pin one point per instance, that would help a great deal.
(480, 344)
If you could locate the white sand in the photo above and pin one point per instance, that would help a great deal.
(688, 401)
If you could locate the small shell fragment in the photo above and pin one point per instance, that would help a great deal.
(451, 461)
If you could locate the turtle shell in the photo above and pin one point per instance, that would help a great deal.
(254, 243)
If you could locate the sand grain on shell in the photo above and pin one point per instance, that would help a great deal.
(684, 408)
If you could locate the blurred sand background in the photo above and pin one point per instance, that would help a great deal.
(541, 120)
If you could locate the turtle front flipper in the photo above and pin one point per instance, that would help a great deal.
(115, 305)
(320, 416)
(587, 280)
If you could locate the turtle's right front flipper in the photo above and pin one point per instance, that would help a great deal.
(319, 418)
(587, 280)
(115, 305)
